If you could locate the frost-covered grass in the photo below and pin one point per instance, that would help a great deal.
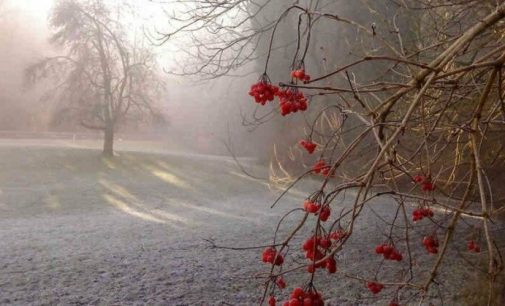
(77, 229)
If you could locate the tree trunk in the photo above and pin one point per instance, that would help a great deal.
(108, 141)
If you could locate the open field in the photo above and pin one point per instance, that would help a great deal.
(76, 229)
(79, 229)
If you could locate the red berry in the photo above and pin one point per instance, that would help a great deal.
(375, 287)
(295, 302)
(269, 254)
(318, 255)
(308, 245)
(271, 301)
(311, 207)
(280, 282)
(427, 212)
(331, 265)
(279, 260)
(319, 166)
(325, 213)
(325, 243)
(307, 301)
(419, 178)
(297, 293)
(471, 245)
(379, 249)
(331, 269)
(387, 250)
(431, 244)
(428, 186)
(328, 171)
(310, 254)
(306, 204)
(285, 109)
(298, 74)
(338, 234)
(316, 298)
(417, 214)
(396, 256)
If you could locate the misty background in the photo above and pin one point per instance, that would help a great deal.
(202, 110)
(200, 114)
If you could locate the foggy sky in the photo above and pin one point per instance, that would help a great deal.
(199, 114)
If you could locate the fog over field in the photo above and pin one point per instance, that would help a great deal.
(200, 114)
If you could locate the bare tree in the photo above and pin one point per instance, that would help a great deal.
(102, 77)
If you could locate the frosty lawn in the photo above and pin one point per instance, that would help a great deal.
(77, 229)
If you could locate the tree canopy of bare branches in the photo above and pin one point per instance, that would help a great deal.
(410, 109)
(103, 75)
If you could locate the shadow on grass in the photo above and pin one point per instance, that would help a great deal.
(175, 190)
(169, 190)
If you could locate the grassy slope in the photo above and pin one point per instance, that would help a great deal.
(79, 229)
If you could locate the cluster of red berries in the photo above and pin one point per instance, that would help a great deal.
(389, 252)
(299, 297)
(263, 92)
(375, 287)
(330, 264)
(426, 184)
(431, 244)
(291, 100)
(310, 246)
(472, 246)
(321, 167)
(314, 248)
(308, 145)
(300, 75)
(270, 255)
(313, 208)
(420, 213)
(313, 242)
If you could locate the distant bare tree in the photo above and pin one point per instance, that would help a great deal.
(102, 76)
